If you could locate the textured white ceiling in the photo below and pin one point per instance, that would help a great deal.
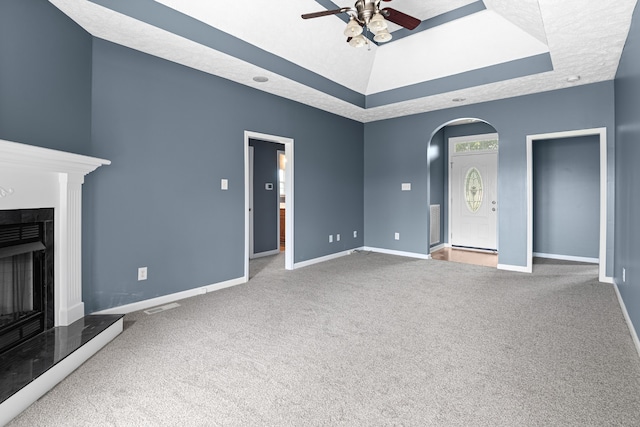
(583, 37)
(475, 41)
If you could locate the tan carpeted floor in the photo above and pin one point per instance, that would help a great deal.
(367, 340)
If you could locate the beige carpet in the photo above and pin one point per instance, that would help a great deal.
(367, 340)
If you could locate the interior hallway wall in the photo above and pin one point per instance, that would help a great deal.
(566, 197)
(265, 202)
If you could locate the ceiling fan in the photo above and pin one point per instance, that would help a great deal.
(367, 15)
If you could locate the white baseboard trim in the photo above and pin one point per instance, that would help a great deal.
(606, 279)
(323, 258)
(625, 313)
(398, 253)
(165, 299)
(567, 257)
(263, 254)
(21, 400)
(516, 268)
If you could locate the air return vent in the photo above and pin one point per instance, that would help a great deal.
(162, 308)
(434, 232)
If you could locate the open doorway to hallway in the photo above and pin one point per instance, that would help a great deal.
(274, 188)
(265, 205)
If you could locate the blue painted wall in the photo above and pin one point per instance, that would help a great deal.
(396, 152)
(172, 134)
(45, 77)
(266, 211)
(566, 196)
(627, 231)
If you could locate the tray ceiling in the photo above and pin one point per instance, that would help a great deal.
(468, 50)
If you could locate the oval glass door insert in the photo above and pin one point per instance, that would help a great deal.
(473, 190)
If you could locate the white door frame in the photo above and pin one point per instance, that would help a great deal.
(279, 195)
(250, 208)
(602, 133)
(455, 139)
(288, 172)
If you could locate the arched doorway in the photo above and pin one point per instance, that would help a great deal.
(462, 156)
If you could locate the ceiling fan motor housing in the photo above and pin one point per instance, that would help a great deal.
(366, 9)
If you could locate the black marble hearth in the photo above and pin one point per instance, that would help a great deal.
(23, 364)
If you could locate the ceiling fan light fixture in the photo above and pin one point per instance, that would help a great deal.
(353, 28)
(383, 36)
(358, 41)
(377, 23)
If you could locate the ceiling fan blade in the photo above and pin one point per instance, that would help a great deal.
(325, 13)
(402, 19)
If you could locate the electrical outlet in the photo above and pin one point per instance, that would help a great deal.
(337, 237)
(330, 238)
(624, 275)
(355, 233)
(397, 236)
(142, 273)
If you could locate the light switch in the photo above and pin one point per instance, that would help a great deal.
(406, 186)
(224, 184)
(268, 186)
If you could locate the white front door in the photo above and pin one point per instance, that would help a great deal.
(473, 193)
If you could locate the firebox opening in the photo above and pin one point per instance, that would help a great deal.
(26, 274)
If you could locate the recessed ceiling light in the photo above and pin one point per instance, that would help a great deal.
(260, 79)
(458, 99)
(573, 79)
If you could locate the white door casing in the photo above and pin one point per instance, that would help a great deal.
(251, 160)
(473, 193)
(602, 133)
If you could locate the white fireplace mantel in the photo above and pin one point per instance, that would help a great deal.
(33, 177)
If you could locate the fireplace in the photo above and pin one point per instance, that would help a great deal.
(26, 274)
(41, 224)
(41, 190)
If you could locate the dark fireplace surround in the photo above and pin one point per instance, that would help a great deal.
(26, 274)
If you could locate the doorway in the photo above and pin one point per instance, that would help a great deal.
(473, 192)
(466, 131)
(602, 135)
(264, 198)
(288, 187)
